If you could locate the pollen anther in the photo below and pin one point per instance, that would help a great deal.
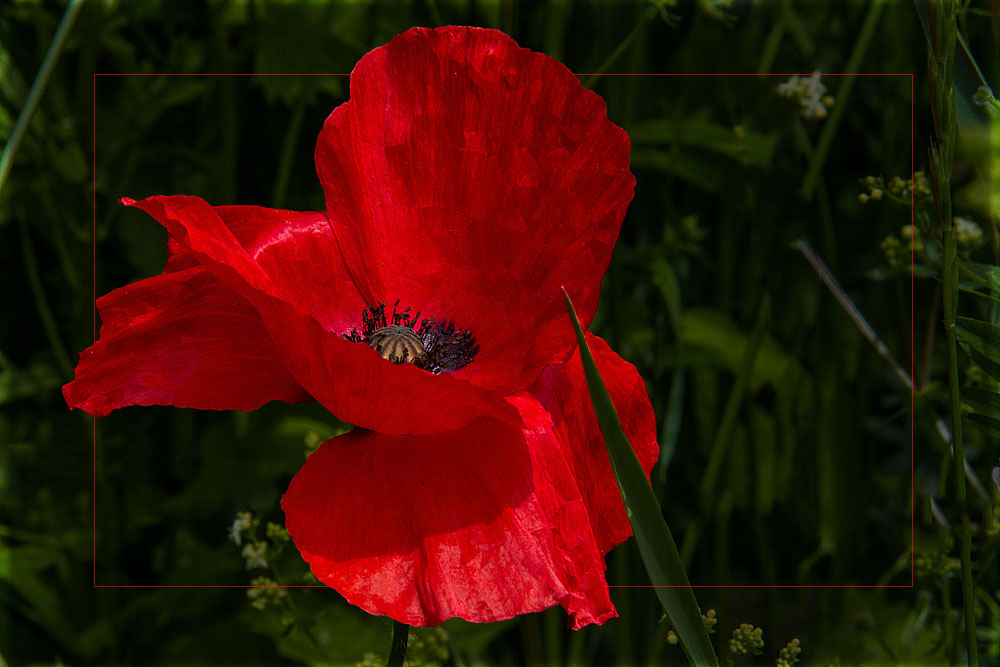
(433, 345)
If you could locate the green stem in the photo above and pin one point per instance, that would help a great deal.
(42, 303)
(616, 54)
(929, 334)
(940, 64)
(38, 87)
(397, 653)
(770, 51)
(853, 312)
(829, 132)
(950, 294)
(949, 630)
(435, 14)
(723, 435)
(975, 65)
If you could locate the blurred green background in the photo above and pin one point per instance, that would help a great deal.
(785, 463)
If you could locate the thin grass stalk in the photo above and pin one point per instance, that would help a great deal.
(723, 436)
(38, 87)
(942, 16)
(619, 50)
(829, 132)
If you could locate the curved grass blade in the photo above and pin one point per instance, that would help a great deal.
(656, 544)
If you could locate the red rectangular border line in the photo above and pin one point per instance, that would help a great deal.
(755, 586)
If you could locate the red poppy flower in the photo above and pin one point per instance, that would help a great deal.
(467, 179)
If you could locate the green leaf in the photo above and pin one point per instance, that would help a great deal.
(983, 401)
(656, 544)
(988, 425)
(35, 380)
(712, 337)
(981, 341)
(986, 275)
(666, 280)
(745, 146)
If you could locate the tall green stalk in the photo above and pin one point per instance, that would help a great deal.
(38, 87)
(941, 16)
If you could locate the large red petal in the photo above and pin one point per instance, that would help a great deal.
(483, 523)
(562, 391)
(182, 338)
(267, 257)
(471, 179)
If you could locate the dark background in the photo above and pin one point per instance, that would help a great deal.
(813, 459)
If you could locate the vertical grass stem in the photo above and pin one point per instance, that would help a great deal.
(942, 15)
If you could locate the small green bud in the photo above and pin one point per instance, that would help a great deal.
(709, 619)
(747, 639)
(788, 655)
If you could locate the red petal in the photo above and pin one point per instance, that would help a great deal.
(181, 338)
(282, 264)
(483, 523)
(290, 255)
(562, 391)
(471, 178)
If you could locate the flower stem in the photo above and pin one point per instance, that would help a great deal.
(829, 131)
(940, 64)
(397, 653)
(38, 87)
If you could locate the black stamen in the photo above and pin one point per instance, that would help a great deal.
(443, 348)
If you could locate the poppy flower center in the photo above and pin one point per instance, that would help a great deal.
(429, 344)
(397, 344)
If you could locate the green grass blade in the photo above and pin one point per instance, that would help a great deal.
(656, 544)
